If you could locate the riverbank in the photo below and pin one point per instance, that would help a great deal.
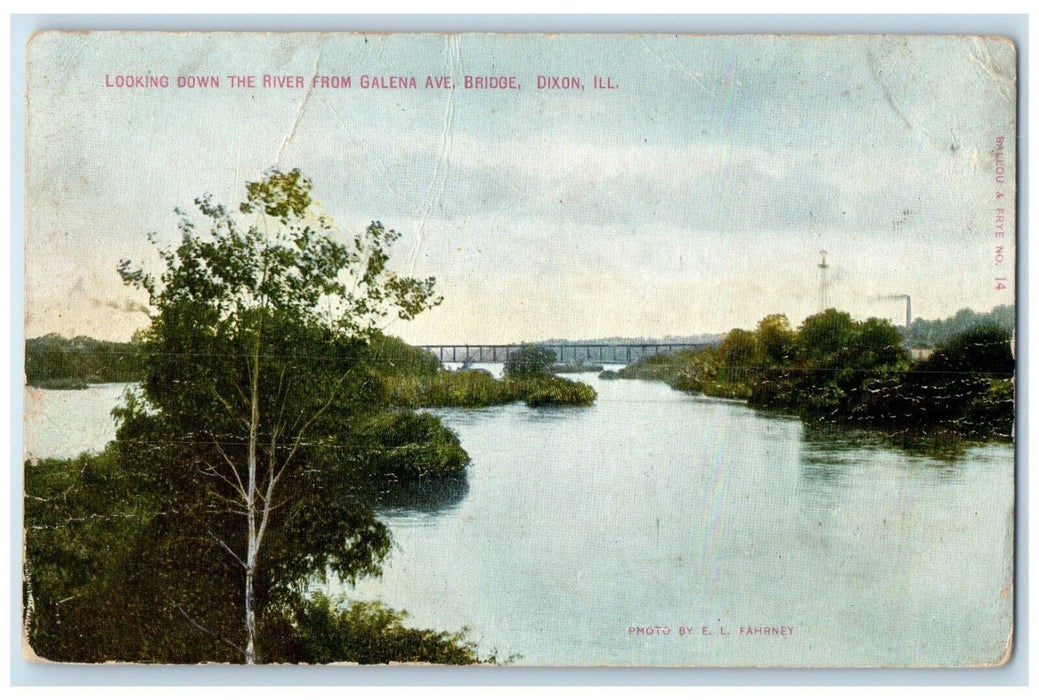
(834, 370)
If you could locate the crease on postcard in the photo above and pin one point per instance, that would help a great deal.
(438, 181)
(302, 106)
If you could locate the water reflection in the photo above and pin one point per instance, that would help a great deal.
(947, 448)
(831, 452)
(465, 417)
(822, 472)
(425, 497)
(553, 414)
(944, 446)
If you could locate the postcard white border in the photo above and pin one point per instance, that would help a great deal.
(23, 673)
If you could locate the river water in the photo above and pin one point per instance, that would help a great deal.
(658, 528)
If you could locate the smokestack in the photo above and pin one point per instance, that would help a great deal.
(909, 311)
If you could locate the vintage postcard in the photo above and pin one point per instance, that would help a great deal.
(568, 350)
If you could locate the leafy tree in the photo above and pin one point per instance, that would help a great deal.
(253, 380)
(965, 387)
(835, 369)
(775, 339)
(821, 337)
(555, 391)
(95, 571)
(927, 333)
(738, 348)
(876, 343)
(529, 360)
(984, 349)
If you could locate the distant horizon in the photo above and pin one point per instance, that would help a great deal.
(663, 340)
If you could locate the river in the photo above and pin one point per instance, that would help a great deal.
(658, 528)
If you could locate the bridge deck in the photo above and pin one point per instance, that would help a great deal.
(614, 353)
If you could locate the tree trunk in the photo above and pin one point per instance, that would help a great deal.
(250, 510)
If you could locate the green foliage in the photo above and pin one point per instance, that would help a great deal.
(320, 632)
(823, 337)
(835, 369)
(477, 388)
(992, 411)
(469, 388)
(738, 349)
(668, 368)
(876, 343)
(285, 257)
(529, 360)
(966, 387)
(928, 333)
(404, 446)
(554, 391)
(81, 517)
(247, 444)
(54, 362)
(984, 349)
(774, 340)
(90, 547)
(391, 356)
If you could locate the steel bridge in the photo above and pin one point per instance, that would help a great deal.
(603, 353)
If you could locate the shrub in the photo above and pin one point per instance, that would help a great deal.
(529, 360)
(404, 446)
(472, 388)
(556, 391)
(318, 631)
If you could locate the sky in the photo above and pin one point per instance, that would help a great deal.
(695, 196)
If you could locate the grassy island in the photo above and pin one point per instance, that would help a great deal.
(414, 378)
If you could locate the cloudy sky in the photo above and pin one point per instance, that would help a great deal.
(694, 197)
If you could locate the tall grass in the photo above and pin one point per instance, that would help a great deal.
(476, 388)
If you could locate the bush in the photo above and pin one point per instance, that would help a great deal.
(529, 360)
(984, 350)
(992, 413)
(476, 388)
(97, 586)
(556, 391)
(318, 631)
(405, 446)
(391, 355)
(855, 372)
(473, 388)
